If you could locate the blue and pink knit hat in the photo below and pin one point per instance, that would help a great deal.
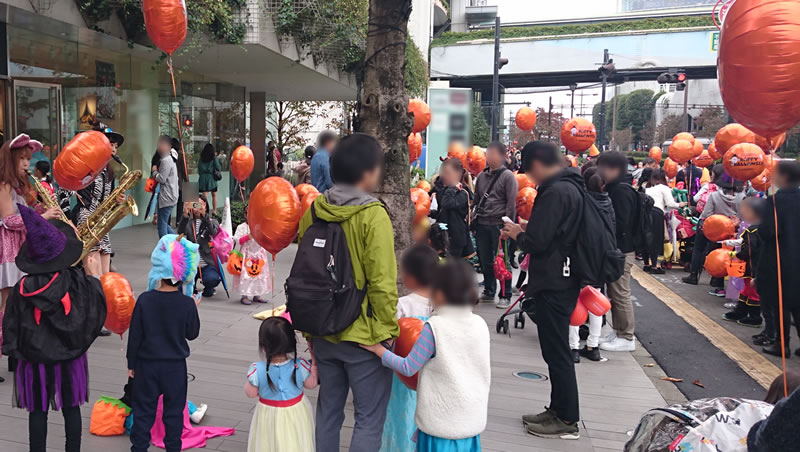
(175, 260)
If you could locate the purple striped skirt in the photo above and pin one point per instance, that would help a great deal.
(39, 387)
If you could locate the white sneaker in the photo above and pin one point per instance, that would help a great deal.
(619, 345)
(503, 303)
(515, 291)
(608, 337)
(197, 416)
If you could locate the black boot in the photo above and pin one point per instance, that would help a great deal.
(690, 279)
(576, 356)
(775, 350)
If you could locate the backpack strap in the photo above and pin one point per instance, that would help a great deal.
(488, 191)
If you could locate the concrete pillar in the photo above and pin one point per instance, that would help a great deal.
(458, 15)
(258, 134)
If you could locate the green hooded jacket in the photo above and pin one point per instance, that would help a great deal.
(370, 239)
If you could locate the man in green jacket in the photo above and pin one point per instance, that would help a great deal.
(343, 366)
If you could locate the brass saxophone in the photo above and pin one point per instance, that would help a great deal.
(109, 212)
(47, 199)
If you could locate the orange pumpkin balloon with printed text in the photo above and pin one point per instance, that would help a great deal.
(274, 214)
(476, 160)
(242, 163)
(578, 135)
(422, 115)
(717, 261)
(703, 160)
(424, 185)
(744, 161)
(414, 147)
(119, 302)
(718, 227)
(410, 329)
(81, 160)
(670, 167)
(655, 153)
(525, 118)
(525, 200)
(457, 151)
(523, 181)
(165, 21)
(422, 204)
(681, 151)
(762, 181)
(758, 66)
(304, 190)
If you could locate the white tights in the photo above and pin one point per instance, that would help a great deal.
(595, 326)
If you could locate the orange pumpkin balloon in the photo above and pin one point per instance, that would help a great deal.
(731, 135)
(457, 151)
(414, 147)
(712, 151)
(655, 153)
(410, 329)
(770, 162)
(274, 214)
(523, 181)
(242, 163)
(578, 135)
(424, 185)
(717, 263)
(422, 204)
(525, 118)
(81, 160)
(758, 64)
(308, 199)
(670, 167)
(762, 181)
(719, 227)
(165, 21)
(684, 136)
(422, 115)
(579, 315)
(703, 160)
(304, 189)
(525, 200)
(476, 160)
(150, 185)
(594, 301)
(119, 302)
(698, 148)
(681, 151)
(744, 161)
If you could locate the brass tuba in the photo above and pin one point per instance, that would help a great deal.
(109, 212)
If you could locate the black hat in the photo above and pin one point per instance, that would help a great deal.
(49, 246)
(114, 137)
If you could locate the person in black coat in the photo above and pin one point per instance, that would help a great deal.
(549, 238)
(625, 199)
(452, 199)
(748, 308)
(199, 227)
(786, 205)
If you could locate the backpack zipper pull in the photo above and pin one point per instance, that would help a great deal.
(332, 269)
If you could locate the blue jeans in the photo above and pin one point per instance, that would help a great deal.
(211, 279)
(163, 221)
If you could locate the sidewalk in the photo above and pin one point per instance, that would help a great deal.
(613, 394)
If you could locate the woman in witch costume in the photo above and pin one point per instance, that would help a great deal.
(52, 317)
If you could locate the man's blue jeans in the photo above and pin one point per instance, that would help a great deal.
(163, 221)
(211, 279)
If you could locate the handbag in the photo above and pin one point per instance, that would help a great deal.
(217, 172)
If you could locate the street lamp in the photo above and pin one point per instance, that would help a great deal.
(572, 88)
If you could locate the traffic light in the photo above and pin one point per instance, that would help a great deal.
(187, 121)
(678, 78)
(502, 62)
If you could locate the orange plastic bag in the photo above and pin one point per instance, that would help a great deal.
(108, 417)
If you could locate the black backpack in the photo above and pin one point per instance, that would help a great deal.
(596, 259)
(643, 226)
(321, 294)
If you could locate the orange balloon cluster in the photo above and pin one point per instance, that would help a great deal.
(681, 151)
(274, 214)
(744, 161)
(422, 204)
(476, 160)
(655, 153)
(457, 151)
(81, 160)
(414, 147)
(119, 302)
(525, 118)
(578, 135)
(717, 263)
(703, 160)
(242, 163)
(523, 181)
(422, 115)
(165, 21)
(758, 64)
(719, 227)
(525, 198)
(670, 167)
(425, 185)
(410, 329)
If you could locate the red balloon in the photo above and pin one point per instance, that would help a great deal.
(759, 71)
(165, 21)
(744, 161)
(719, 227)
(717, 263)
(242, 163)
(703, 160)
(273, 214)
(425, 185)
(731, 135)
(422, 115)
(476, 160)
(523, 181)
(578, 135)
(681, 151)
(150, 185)
(712, 151)
(410, 329)
(579, 315)
(414, 147)
(81, 160)
(670, 167)
(525, 198)
(422, 204)
(308, 199)
(525, 118)
(655, 153)
(119, 301)
(304, 189)
(457, 151)
(594, 300)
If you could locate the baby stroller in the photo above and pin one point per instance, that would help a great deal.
(502, 325)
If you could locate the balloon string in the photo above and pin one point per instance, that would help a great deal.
(178, 116)
(272, 276)
(241, 191)
(780, 293)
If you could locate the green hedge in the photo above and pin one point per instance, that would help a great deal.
(558, 30)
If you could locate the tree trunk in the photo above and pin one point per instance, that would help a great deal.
(383, 109)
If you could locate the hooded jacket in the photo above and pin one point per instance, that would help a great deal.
(722, 202)
(787, 204)
(370, 240)
(625, 200)
(552, 231)
(208, 229)
(53, 317)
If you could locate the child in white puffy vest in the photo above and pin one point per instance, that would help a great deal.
(452, 358)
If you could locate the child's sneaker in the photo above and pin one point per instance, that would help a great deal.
(734, 316)
(751, 321)
(731, 305)
(197, 416)
(717, 292)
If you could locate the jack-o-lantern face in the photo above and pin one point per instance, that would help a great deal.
(254, 266)
(235, 263)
